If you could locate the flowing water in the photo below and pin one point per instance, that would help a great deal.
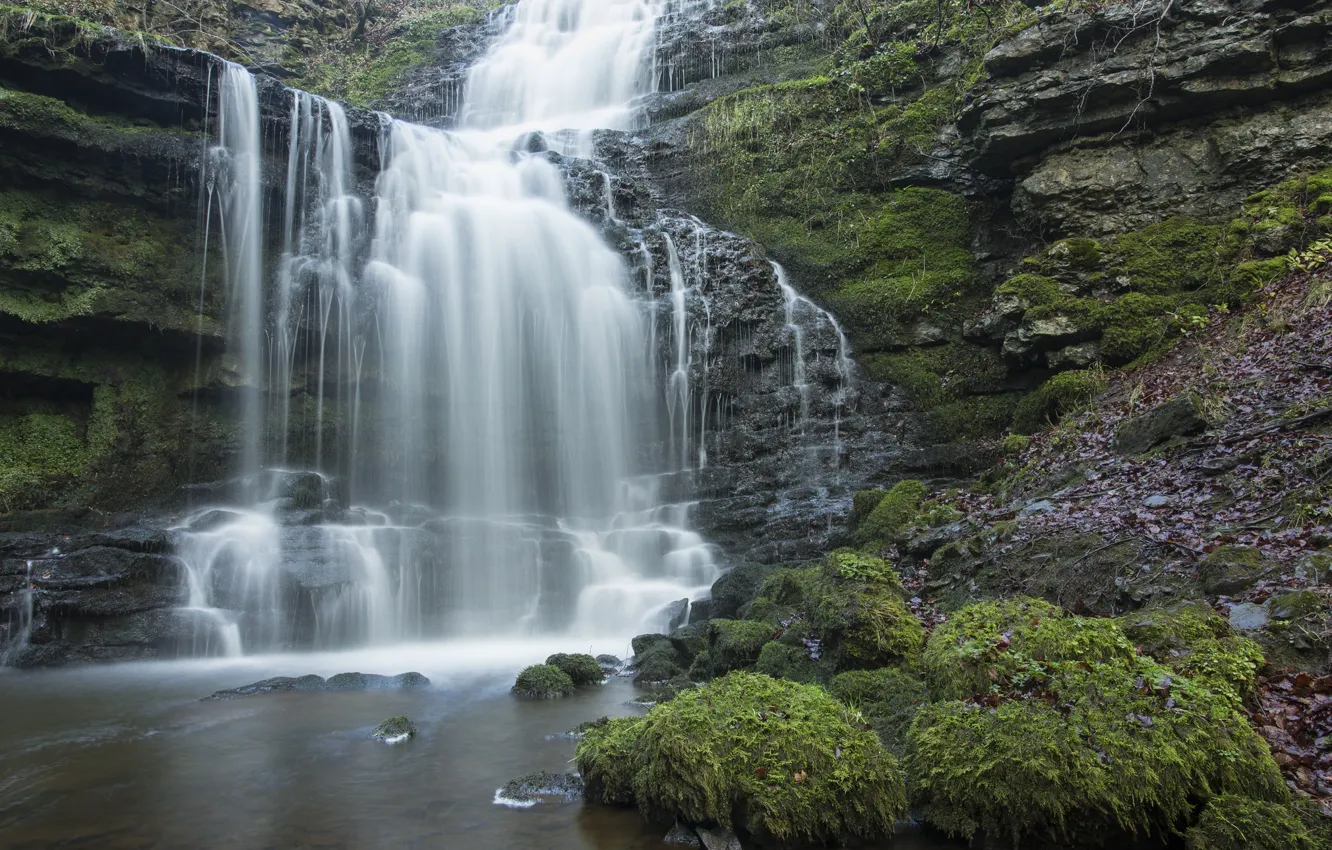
(476, 384)
(128, 757)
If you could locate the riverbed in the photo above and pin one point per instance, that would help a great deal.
(129, 756)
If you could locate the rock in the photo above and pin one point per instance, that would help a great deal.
(609, 662)
(688, 641)
(1247, 617)
(277, 684)
(1157, 501)
(927, 543)
(1180, 416)
(700, 610)
(678, 614)
(1078, 356)
(682, 836)
(1044, 506)
(542, 681)
(642, 643)
(718, 839)
(737, 588)
(340, 682)
(582, 669)
(540, 787)
(1230, 570)
(395, 730)
(1295, 604)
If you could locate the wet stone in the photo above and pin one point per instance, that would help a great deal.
(395, 730)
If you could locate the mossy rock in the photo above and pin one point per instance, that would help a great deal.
(1180, 416)
(1192, 640)
(736, 644)
(892, 516)
(788, 661)
(889, 698)
(1296, 604)
(984, 647)
(1228, 570)
(543, 681)
(1236, 822)
(394, 730)
(581, 669)
(783, 760)
(863, 503)
(1082, 749)
(1057, 397)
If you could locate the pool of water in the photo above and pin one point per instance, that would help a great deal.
(129, 757)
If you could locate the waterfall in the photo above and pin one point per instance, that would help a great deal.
(471, 386)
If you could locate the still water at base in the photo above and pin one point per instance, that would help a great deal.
(129, 757)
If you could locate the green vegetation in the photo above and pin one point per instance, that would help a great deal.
(1058, 729)
(797, 762)
(888, 698)
(1235, 822)
(581, 669)
(543, 681)
(893, 514)
(1192, 640)
(1056, 397)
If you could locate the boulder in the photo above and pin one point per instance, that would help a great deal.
(1177, 417)
(395, 730)
(1248, 617)
(539, 787)
(1230, 570)
(737, 588)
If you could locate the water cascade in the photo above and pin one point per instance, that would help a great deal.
(475, 385)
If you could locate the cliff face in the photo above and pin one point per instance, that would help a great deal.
(982, 207)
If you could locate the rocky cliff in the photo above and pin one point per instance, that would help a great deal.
(994, 205)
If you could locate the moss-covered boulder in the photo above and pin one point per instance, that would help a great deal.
(986, 644)
(582, 669)
(1179, 416)
(888, 697)
(785, 761)
(394, 730)
(736, 644)
(783, 660)
(1230, 569)
(1192, 640)
(892, 515)
(543, 681)
(1235, 822)
(1057, 730)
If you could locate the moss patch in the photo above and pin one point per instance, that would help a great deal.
(1056, 397)
(1192, 640)
(543, 681)
(798, 764)
(1235, 822)
(581, 669)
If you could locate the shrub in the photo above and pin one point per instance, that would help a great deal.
(797, 765)
(543, 681)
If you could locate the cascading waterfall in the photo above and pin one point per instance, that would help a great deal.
(482, 378)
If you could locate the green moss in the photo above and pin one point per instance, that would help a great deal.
(782, 595)
(849, 565)
(864, 624)
(1030, 290)
(798, 763)
(1192, 640)
(782, 660)
(1236, 822)
(581, 669)
(1057, 397)
(1090, 749)
(736, 644)
(893, 515)
(888, 698)
(993, 647)
(362, 72)
(863, 503)
(543, 681)
(608, 756)
(1015, 443)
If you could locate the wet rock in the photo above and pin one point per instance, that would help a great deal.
(642, 643)
(339, 682)
(540, 787)
(1248, 617)
(678, 612)
(717, 838)
(927, 543)
(1180, 416)
(682, 836)
(688, 641)
(609, 662)
(278, 684)
(542, 681)
(395, 730)
(737, 588)
(700, 610)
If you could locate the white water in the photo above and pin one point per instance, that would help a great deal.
(486, 373)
